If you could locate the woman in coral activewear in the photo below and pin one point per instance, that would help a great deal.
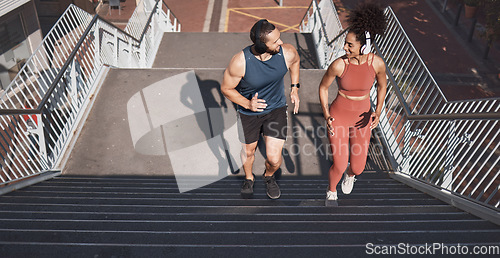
(349, 118)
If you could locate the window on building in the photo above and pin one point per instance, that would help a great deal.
(11, 33)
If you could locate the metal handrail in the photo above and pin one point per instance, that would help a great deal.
(60, 74)
(149, 21)
(119, 29)
(325, 50)
(61, 78)
(175, 17)
(416, 117)
(436, 143)
(449, 145)
(322, 22)
(413, 47)
(308, 8)
(338, 36)
(45, 98)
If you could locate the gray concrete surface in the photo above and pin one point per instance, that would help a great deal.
(105, 146)
(215, 50)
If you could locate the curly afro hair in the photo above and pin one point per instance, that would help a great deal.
(369, 17)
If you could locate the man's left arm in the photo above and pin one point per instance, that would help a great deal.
(293, 63)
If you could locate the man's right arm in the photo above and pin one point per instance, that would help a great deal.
(232, 77)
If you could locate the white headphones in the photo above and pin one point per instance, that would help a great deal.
(367, 48)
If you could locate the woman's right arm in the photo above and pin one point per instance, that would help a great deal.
(328, 77)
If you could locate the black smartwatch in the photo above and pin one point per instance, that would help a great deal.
(296, 85)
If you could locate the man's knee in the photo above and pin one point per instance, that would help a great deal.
(248, 152)
(274, 161)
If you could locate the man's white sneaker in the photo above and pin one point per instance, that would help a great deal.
(331, 199)
(347, 183)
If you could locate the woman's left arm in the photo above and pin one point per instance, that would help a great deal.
(379, 67)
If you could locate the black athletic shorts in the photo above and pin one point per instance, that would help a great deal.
(272, 124)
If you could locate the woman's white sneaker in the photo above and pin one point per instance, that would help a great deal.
(331, 199)
(347, 183)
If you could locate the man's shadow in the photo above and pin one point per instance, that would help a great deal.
(222, 114)
(213, 122)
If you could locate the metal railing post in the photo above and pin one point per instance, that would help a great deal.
(116, 47)
(142, 53)
(40, 131)
(97, 40)
(73, 82)
(449, 156)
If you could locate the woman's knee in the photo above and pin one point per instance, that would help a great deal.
(357, 168)
(338, 168)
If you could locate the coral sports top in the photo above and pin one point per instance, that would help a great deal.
(357, 80)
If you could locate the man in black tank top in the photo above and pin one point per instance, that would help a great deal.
(254, 82)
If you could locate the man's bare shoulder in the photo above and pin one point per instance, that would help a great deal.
(237, 64)
(289, 48)
(238, 59)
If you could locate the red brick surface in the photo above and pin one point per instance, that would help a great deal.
(439, 48)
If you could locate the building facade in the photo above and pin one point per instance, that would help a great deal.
(20, 35)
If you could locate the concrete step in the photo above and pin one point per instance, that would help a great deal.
(240, 226)
(95, 216)
(33, 214)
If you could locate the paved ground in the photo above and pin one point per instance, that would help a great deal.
(456, 63)
(188, 50)
(105, 145)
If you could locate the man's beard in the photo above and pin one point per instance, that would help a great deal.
(273, 52)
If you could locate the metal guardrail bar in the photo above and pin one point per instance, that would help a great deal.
(415, 117)
(45, 99)
(314, 23)
(119, 30)
(321, 21)
(308, 8)
(447, 144)
(148, 22)
(338, 36)
(173, 15)
(65, 66)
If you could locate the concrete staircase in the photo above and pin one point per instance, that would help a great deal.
(72, 216)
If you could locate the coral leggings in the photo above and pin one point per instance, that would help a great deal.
(351, 137)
